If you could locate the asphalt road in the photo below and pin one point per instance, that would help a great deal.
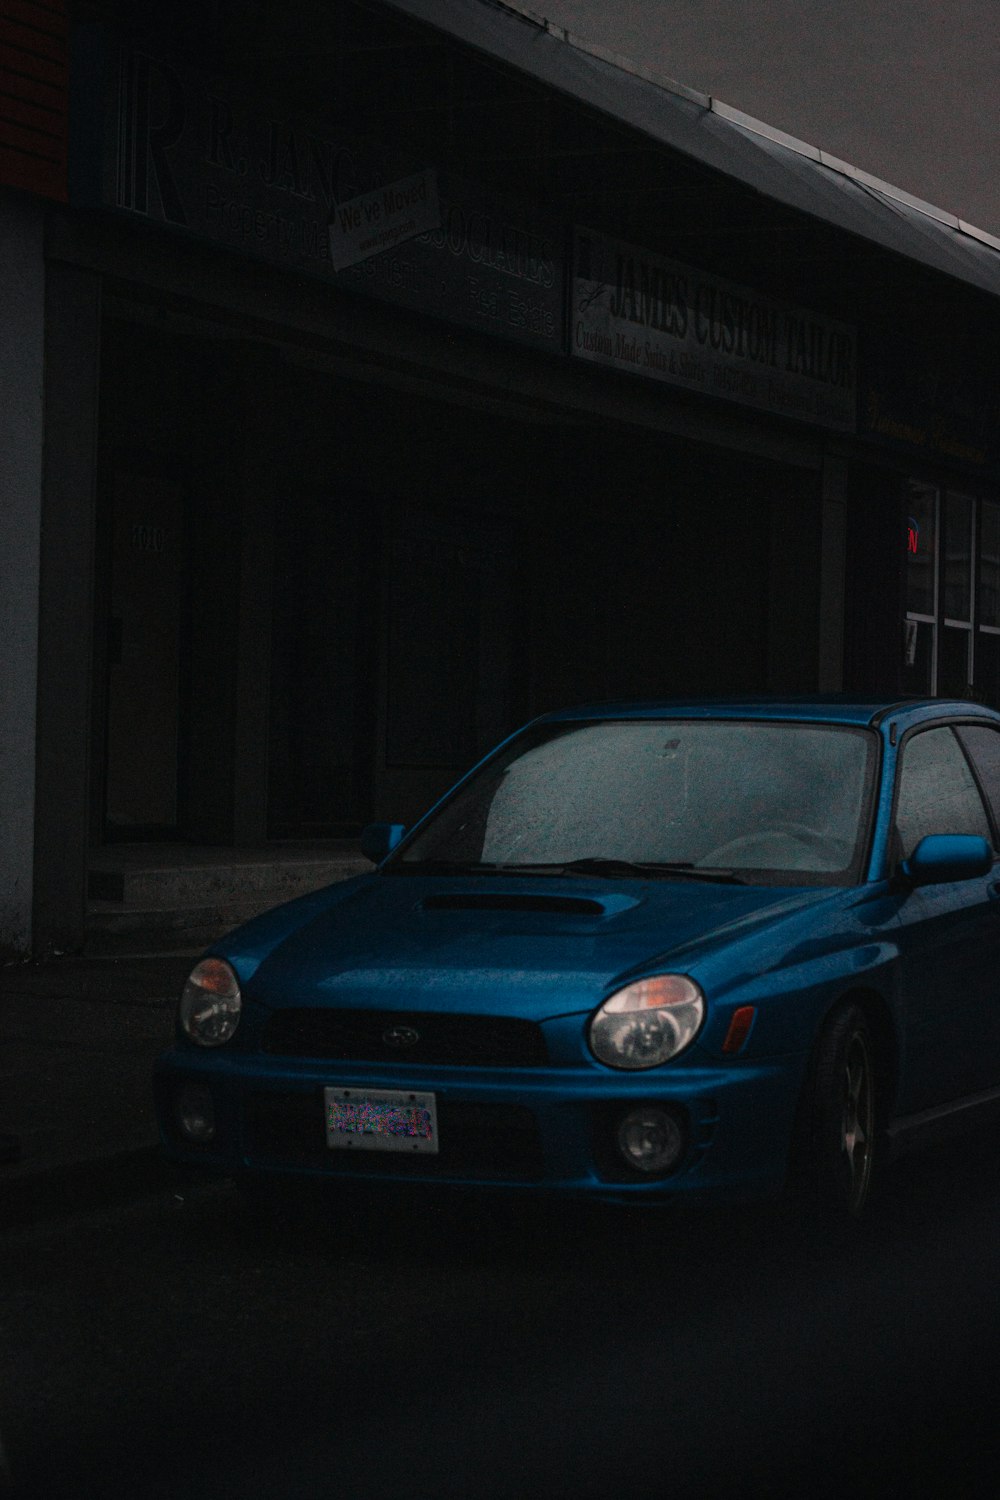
(390, 1348)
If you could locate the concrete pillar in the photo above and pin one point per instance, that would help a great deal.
(259, 466)
(833, 576)
(65, 617)
(22, 318)
(794, 573)
(225, 773)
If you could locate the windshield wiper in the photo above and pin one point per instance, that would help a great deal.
(593, 865)
(436, 867)
(465, 867)
(679, 869)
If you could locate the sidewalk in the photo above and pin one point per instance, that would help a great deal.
(78, 1037)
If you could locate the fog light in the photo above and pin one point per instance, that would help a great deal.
(650, 1139)
(195, 1114)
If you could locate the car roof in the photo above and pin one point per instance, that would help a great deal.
(819, 708)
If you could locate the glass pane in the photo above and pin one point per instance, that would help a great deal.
(756, 797)
(953, 678)
(987, 678)
(983, 744)
(958, 559)
(989, 564)
(918, 659)
(432, 686)
(920, 541)
(936, 791)
(314, 785)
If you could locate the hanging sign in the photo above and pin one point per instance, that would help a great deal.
(377, 221)
(490, 264)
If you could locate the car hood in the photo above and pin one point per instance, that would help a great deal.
(535, 947)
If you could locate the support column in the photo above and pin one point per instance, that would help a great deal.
(260, 463)
(22, 317)
(833, 576)
(225, 765)
(65, 633)
(794, 573)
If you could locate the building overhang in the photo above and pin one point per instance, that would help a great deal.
(702, 129)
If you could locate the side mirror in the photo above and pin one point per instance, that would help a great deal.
(941, 857)
(379, 839)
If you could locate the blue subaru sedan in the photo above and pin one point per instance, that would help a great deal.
(643, 952)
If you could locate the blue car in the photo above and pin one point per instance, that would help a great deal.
(641, 952)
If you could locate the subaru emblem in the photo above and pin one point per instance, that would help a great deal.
(400, 1036)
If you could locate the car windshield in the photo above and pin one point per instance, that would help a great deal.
(766, 802)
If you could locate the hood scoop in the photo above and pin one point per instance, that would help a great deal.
(574, 906)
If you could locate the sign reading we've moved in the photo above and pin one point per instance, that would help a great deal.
(377, 221)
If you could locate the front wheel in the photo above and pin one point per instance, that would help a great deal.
(837, 1146)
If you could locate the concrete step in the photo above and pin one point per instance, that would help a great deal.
(113, 929)
(169, 885)
(149, 899)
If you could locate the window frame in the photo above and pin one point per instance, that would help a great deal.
(973, 626)
(896, 853)
(992, 813)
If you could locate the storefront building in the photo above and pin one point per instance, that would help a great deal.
(387, 373)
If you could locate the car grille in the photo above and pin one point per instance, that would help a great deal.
(496, 1142)
(359, 1036)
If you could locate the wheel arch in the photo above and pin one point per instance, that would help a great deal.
(885, 1042)
(885, 1039)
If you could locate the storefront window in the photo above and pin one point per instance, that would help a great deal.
(989, 565)
(988, 603)
(958, 558)
(952, 637)
(954, 669)
(921, 550)
(955, 648)
(921, 589)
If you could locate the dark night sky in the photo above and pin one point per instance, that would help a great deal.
(905, 89)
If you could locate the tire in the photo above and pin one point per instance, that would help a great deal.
(838, 1141)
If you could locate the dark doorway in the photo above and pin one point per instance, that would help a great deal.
(391, 667)
(322, 666)
(448, 678)
(144, 652)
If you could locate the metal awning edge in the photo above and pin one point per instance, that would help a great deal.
(749, 151)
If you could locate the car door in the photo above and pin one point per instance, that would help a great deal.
(950, 933)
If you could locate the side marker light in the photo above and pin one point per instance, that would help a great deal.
(739, 1028)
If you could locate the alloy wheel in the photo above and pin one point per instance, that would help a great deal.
(858, 1127)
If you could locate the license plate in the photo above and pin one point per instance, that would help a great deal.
(380, 1120)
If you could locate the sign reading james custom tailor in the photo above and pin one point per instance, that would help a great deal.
(639, 312)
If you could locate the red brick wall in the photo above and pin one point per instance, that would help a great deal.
(34, 95)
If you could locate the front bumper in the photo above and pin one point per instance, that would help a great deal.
(548, 1129)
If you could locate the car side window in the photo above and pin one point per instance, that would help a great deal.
(937, 792)
(983, 745)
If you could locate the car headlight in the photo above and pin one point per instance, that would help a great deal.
(211, 1003)
(647, 1022)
